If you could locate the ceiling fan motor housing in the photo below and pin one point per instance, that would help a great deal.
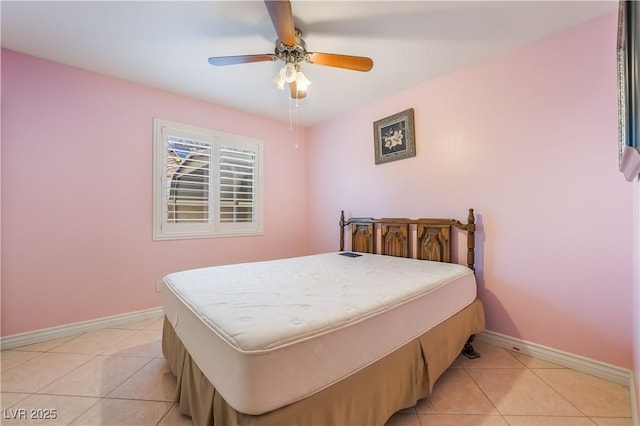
(294, 54)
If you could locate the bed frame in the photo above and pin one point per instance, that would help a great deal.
(424, 239)
(373, 394)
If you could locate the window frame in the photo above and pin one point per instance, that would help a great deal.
(214, 227)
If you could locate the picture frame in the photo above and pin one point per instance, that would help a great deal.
(628, 57)
(394, 137)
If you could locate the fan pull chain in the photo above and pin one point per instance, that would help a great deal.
(290, 116)
(296, 115)
(293, 120)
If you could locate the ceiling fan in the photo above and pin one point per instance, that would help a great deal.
(292, 50)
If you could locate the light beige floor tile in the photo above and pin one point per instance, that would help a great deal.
(456, 393)
(94, 342)
(593, 396)
(153, 382)
(97, 377)
(500, 382)
(612, 421)
(145, 343)
(531, 362)
(138, 325)
(461, 419)
(7, 399)
(121, 412)
(520, 392)
(48, 410)
(13, 358)
(47, 345)
(156, 325)
(548, 421)
(481, 347)
(490, 359)
(174, 418)
(403, 419)
(40, 371)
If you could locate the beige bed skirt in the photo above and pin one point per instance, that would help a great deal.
(368, 397)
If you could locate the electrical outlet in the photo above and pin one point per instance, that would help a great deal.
(159, 286)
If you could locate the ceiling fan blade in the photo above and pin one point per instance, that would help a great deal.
(295, 93)
(282, 19)
(356, 63)
(241, 59)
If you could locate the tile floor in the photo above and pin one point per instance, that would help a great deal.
(118, 376)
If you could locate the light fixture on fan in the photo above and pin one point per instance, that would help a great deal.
(290, 73)
(302, 82)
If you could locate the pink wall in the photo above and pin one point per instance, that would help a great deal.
(528, 139)
(76, 194)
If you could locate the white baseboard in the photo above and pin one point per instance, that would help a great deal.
(21, 339)
(603, 370)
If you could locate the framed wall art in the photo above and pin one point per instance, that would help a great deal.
(628, 55)
(394, 137)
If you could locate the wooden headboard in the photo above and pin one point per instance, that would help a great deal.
(426, 239)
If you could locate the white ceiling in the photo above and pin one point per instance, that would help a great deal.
(166, 43)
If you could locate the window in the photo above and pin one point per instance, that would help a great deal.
(206, 183)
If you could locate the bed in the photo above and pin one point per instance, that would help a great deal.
(340, 338)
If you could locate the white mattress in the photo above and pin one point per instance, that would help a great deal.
(267, 334)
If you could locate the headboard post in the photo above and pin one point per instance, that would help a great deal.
(342, 230)
(471, 240)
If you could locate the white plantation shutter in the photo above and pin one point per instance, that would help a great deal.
(206, 183)
(188, 168)
(236, 185)
(239, 175)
